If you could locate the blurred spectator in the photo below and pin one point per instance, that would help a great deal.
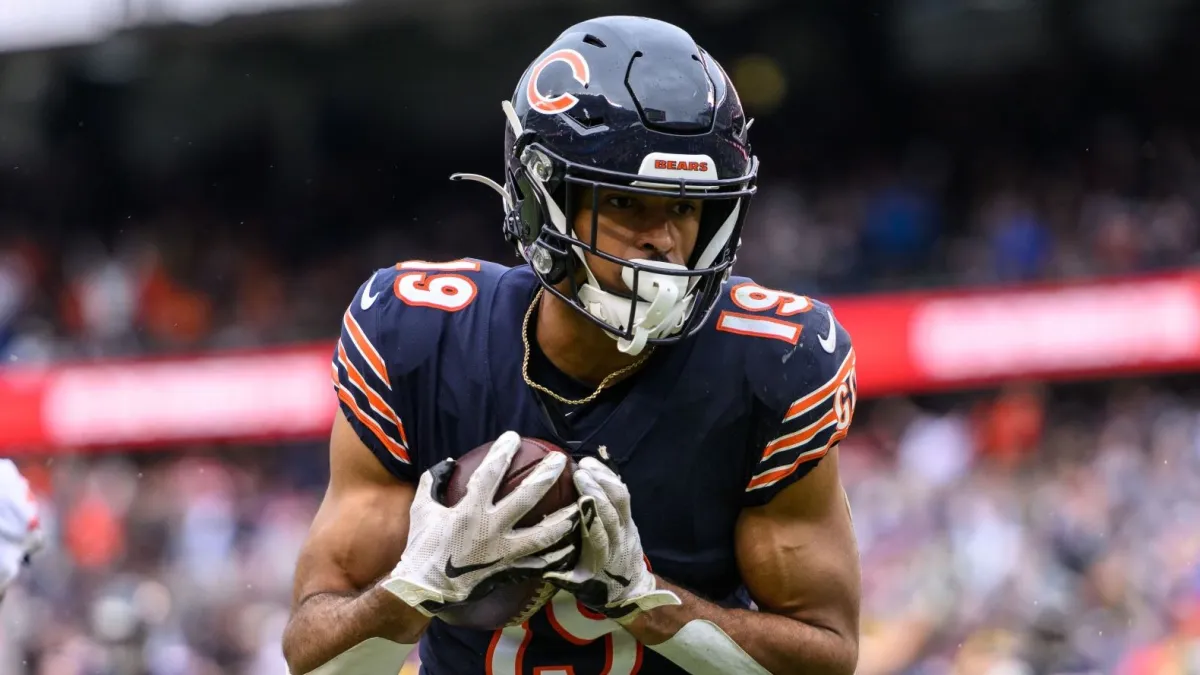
(1076, 556)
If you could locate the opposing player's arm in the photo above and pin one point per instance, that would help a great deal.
(20, 527)
(356, 538)
(794, 542)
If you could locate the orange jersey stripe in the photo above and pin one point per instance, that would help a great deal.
(393, 447)
(801, 437)
(807, 401)
(775, 475)
(376, 401)
(364, 346)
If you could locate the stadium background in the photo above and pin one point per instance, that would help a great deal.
(998, 196)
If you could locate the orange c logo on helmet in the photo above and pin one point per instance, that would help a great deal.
(563, 102)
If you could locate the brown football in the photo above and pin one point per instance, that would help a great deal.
(509, 603)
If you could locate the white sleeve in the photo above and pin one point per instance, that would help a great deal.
(20, 532)
(702, 648)
(375, 656)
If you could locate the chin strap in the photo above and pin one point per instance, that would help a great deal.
(375, 656)
(702, 648)
(660, 309)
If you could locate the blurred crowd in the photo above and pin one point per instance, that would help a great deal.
(174, 564)
(179, 264)
(1024, 532)
(1123, 203)
(1030, 534)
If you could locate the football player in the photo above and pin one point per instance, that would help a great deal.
(20, 530)
(712, 534)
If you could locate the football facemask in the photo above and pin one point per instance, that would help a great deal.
(662, 302)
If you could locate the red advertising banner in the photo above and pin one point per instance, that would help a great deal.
(909, 343)
(276, 395)
(906, 343)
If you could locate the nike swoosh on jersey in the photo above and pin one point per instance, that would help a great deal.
(829, 342)
(367, 298)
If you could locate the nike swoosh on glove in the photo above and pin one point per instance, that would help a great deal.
(20, 531)
(459, 553)
(611, 576)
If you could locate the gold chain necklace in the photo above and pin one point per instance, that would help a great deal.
(566, 401)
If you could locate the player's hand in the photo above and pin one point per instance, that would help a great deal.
(611, 576)
(20, 532)
(459, 553)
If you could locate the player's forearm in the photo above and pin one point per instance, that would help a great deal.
(326, 625)
(779, 644)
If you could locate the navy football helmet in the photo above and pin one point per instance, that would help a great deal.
(632, 104)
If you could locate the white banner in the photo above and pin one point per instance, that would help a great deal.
(53, 23)
(39, 24)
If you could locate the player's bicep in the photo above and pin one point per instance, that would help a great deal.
(361, 527)
(798, 555)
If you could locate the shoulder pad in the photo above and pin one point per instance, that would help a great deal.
(801, 367)
(393, 326)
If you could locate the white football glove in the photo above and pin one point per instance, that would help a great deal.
(459, 553)
(20, 531)
(611, 576)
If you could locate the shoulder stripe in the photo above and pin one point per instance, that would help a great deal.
(826, 413)
(398, 451)
(809, 401)
(798, 438)
(364, 346)
(374, 400)
(772, 476)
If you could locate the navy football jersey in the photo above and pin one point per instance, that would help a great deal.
(428, 366)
